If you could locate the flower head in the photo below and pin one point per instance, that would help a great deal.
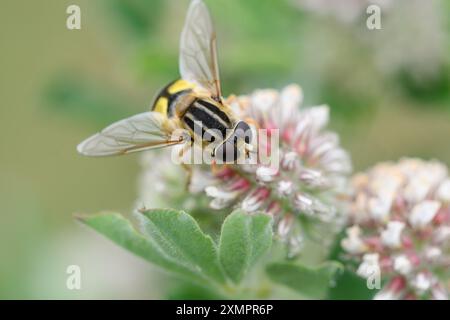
(400, 213)
(302, 182)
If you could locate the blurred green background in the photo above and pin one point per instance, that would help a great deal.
(388, 91)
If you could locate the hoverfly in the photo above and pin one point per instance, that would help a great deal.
(195, 99)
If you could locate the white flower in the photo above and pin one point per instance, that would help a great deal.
(266, 174)
(384, 182)
(291, 97)
(369, 266)
(442, 234)
(423, 213)
(289, 161)
(417, 190)
(439, 293)
(311, 169)
(353, 243)
(391, 237)
(255, 200)
(285, 188)
(421, 282)
(290, 235)
(394, 290)
(402, 264)
(433, 253)
(266, 100)
(222, 198)
(422, 178)
(379, 208)
(397, 211)
(318, 116)
(285, 226)
(304, 203)
(443, 193)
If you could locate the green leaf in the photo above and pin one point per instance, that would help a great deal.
(183, 290)
(179, 235)
(349, 286)
(115, 227)
(244, 239)
(336, 250)
(309, 282)
(176, 245)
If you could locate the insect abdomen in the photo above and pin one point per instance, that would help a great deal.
(166, 100)
(206, 115)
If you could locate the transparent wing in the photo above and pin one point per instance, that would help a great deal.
(198, 53)
(137, 133)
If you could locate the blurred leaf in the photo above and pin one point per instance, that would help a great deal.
(243, 240)
(173, 241)
(349, 286)
(347, 103)
(336, 249)
(84, 101)
(190, 291)
(141, 17)
(433, 88)
(310, 282)
(179, 235)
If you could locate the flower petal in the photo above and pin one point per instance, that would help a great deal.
(423, 213)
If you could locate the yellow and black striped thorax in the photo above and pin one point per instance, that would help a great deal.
(205, 114)
(167, 99)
